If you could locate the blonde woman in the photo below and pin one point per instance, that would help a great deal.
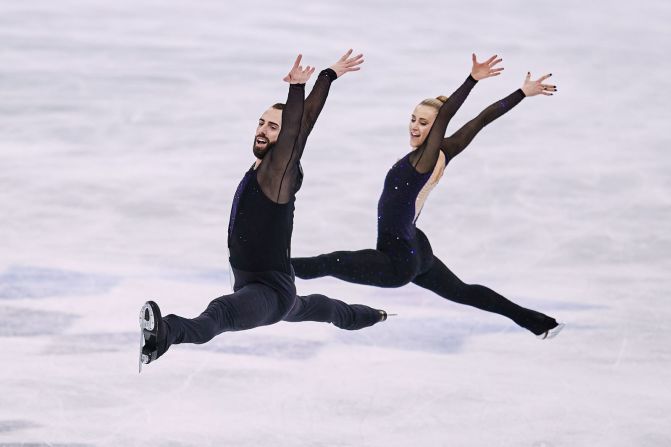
(403, 253)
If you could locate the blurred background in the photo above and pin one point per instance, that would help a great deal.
(126, 126)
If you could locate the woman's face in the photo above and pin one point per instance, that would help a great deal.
(420, 124)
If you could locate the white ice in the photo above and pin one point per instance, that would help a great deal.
(125, 127)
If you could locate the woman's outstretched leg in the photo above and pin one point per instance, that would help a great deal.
(393, 267)
(328, 310)
(369, 267)
(441, 280)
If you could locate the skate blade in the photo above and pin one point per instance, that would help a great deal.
(552, 333)
(139, 360)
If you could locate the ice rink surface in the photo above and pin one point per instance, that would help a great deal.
(125, 127)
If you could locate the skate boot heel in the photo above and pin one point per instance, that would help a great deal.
(148, 356)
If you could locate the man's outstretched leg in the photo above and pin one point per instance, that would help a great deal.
(251, 306)
(323, 309)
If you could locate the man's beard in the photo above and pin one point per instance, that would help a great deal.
(260, 153)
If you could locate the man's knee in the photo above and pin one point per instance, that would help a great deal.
(286, 305)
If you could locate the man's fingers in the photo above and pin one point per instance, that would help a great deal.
(298, 61)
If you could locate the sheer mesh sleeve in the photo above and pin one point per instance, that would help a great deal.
(456, 143)
(314, 104)
(425, 157)
(278, 172)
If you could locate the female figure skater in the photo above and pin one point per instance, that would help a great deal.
(403, 252)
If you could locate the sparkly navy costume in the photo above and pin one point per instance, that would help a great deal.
(403, 253)
(259, 238)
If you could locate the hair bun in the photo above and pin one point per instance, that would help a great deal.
(442, 98)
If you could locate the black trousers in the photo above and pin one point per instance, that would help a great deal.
(397, 262)
(264, 298)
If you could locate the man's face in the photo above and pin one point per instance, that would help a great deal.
(267, 132)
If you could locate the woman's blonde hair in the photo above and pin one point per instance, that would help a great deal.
(436, 103)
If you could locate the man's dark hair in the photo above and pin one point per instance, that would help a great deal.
(278, 106)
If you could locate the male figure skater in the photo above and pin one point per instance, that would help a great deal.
(259, 233)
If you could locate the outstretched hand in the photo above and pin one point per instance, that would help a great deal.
(485, 69)
(298, 75)
(533, 88)
(347, 63)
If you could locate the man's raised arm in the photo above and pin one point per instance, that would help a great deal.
(317, 97)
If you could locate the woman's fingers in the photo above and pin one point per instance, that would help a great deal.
(346, 55)
(495, 62)
(356, 60)
(494, 72)
(543, 78)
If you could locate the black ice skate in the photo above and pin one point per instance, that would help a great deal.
(152, 334)
(551, 333)
(543, 326)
